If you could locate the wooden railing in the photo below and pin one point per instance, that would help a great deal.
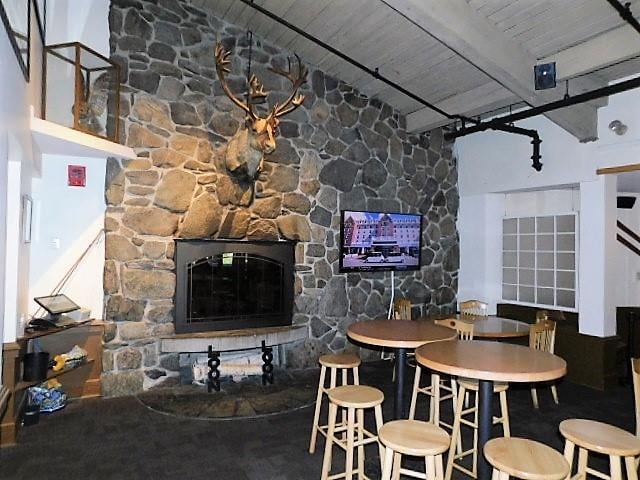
(624, 241)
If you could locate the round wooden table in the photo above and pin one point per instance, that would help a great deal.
(399, 335)
(489, 362)
(491, 326)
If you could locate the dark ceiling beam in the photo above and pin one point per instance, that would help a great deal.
(625, 13)
(535, 111)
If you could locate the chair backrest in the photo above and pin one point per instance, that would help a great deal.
(541, 316)
(402, 309)
(474, 307)
(542, 336)
(635, 368)
(464, 329)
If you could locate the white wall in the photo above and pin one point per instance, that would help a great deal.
(79, 21)
(66, 220)
(494, 163)
(627, 263)
(20, 162)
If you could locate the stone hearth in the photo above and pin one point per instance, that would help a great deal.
(340, 150)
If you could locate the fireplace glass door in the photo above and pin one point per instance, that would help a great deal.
(233, 286)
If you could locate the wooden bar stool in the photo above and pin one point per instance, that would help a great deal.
(456, 451)
(601, 438)
(523, 458)
(355, 399)
(416, 438)
(343, 362)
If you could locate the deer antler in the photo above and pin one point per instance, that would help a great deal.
(294, 100)
(222, 67)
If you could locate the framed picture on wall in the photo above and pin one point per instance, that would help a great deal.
(15, 17)
(41, 16)
(27, 214)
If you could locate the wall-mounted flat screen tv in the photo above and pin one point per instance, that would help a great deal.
(371, 241)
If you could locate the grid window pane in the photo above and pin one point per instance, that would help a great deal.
(545, 278)
(509, 292)
(526, 277)
(527, 225)
(545, 260)
(527, 259)
(566, 298)
(566, 261)
(510, 225)
(510, 242)
(539, 260)
(527, 242)
(510, 275)
(544, 224)
(527, 294)
(566, 242)
(509, 259)
(545, 296)
(566, 223)
(566, 280)
(545, 242)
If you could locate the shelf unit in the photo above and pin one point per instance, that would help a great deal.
(81, 381)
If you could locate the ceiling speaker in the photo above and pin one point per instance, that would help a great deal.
(544, 76)
(626, 202)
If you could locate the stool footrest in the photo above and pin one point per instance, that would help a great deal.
(411, 473)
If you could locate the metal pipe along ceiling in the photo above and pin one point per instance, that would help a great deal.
(503, 123)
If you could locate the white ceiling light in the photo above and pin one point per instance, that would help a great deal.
(617, 127)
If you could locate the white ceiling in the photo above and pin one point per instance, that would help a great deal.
(466, 56)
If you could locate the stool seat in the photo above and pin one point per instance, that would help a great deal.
(600, 437)
(526, 459)
(414, 437)
(356, 396)
(340, 360)
(473, 384)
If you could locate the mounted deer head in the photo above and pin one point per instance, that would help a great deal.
(246, 150)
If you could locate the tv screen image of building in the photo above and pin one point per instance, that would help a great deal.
(376, 240)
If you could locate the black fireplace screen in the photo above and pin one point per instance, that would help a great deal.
(232, 285)
(225, 285)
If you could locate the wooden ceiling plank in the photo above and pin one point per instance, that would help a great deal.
(612, 47)
(474, 37)
(584, 19)
(473, 102)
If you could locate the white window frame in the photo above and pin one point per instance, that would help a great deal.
(535, 266)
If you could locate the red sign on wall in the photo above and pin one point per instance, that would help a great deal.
(76, 175)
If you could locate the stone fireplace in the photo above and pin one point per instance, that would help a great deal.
(339, 150)
(226, 285)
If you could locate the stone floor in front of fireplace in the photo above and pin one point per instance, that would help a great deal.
(122, 439)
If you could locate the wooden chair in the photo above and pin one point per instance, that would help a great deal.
(542, 336)
(601, 438)
(402, 309)
(343, 362)
(474, 307)
(415, 438)
(523, 458)
(465, 332)
(354, 399)
(542, 316)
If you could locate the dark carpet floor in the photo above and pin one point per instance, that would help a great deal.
(122, 439)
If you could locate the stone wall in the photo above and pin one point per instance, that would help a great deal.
(340, 150)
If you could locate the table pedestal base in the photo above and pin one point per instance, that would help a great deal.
(400, 367)
(485, 425)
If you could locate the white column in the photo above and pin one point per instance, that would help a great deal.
(597, 280)
(480, 227)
